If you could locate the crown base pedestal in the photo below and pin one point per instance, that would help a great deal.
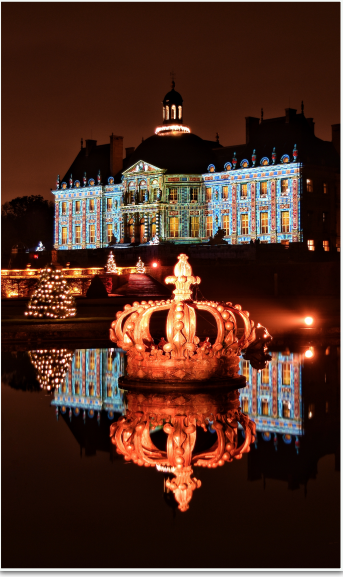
(227, 383)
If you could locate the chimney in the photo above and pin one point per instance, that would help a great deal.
(251, 128)
(311, 124)
(290, 114)
(116, 154)
(90, 144)
(336, 136)
(129, 151)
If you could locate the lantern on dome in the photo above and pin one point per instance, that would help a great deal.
(182, 357)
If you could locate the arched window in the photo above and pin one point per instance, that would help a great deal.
(173, 112)
(167, 112)
(180, 112)
(164, 112)
(131, 228)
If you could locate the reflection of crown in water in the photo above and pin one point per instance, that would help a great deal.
(180, 415)
(182, 356)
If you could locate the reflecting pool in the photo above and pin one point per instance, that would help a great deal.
(88, 469)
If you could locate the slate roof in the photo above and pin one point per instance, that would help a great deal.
(97, 159)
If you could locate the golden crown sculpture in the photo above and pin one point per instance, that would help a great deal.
(180, 415)
(182, 357)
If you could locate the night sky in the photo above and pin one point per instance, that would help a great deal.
(72, 70)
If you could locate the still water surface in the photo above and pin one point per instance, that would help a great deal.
(70, 501)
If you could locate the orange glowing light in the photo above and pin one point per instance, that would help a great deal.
(308, 321)
(309, 353)
(154, 264)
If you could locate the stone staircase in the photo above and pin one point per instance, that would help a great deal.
(143, 286)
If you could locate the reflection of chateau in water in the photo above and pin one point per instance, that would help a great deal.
(272, 396)
(91, 383)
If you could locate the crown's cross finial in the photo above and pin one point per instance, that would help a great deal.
(173, 76)
(183, 279)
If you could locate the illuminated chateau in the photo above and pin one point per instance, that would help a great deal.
(281, 186)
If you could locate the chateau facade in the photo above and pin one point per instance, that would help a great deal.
(281, 186)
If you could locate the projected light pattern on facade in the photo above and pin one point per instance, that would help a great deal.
(272, 397)
(91, 383)
(248, 203)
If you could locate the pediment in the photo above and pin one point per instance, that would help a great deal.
(143, 167)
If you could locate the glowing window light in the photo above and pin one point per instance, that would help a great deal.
(172, 128)
(308, 321)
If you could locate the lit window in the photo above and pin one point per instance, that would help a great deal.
(64, 235)
(265, 408)
(245, 405)
(173, 194)
(225, 192)
(92, 360)
(131, 228)
(286, 411)
(180, 112)
(77, 388)
(309, 185)
(109, 232)
(167, 112)
(326, 245)
(244, 224)
(109, 390)
(164, 112)
(285, 221)
(91, 204)
(327, 406)
(194, 226)
(174, 226)
(92, 233)
(244, 190)
(310, 244)
(153, 226)
(325, 188)
(284, 186)
(173, 112)
(246, 370)
(264, 222)
(78, 206)
(265, 376)
(109, 204)
(226, 224)
(77, 234)
(208, 194)
(209, 226)
(264, 188)
(194, 194)
(109, 362)
(77, 360)
(64, 208)
(338, 247)
(91, 389)
(311, 411)
(286, 373)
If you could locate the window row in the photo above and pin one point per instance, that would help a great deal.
(77, 238)
(310, 187)
(91, 360)
(326, 245)
(172, 112)
(174, 223)
(265, 374)
(110, 203)
(265, 408)
(242, 190)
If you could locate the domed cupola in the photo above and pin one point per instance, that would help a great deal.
(172, 107)
(172, 114)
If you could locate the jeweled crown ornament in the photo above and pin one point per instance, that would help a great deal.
(182, 357)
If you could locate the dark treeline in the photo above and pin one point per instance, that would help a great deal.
(27, 220)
